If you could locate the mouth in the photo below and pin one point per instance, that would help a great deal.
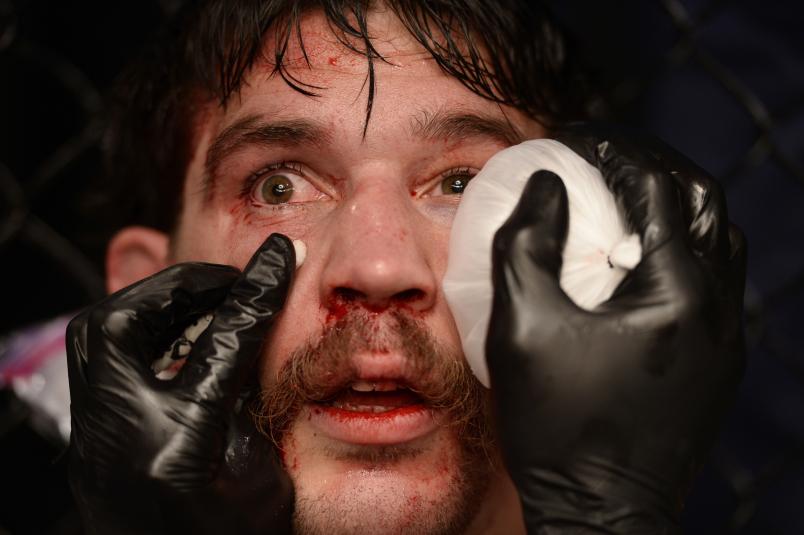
(374, 412)
(375, 397)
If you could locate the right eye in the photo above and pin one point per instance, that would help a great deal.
(283, 183)
(276, 188)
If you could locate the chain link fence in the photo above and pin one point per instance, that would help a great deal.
(722, 80)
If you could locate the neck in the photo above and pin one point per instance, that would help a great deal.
(500, 512)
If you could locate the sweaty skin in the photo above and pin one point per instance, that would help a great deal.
(373, 214)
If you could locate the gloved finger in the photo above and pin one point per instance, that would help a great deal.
(738, 255)
(135, 325)
(704, 204)
(227, 351)
(640, 153)
(646, 195)
(702, 199)
(527, 255)
(76, 340)
(584, 138)
(667, 279)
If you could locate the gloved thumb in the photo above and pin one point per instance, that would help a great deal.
(534, 234)
(526, 264)
(527, 255)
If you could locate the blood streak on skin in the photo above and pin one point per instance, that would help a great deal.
(337, 310)
(337, 307)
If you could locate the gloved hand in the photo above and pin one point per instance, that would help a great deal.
(177, 456)
(605, 416)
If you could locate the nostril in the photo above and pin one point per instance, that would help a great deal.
(349, 295)
(409, 296)
(344, 298)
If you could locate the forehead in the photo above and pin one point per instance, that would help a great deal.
(406, 88)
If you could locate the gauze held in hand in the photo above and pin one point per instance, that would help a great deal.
(598, 253)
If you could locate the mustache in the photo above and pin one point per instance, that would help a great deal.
(319, 370)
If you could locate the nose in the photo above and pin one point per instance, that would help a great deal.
(380, 253)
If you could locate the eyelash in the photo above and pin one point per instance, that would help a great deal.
(458, 171)
(465, 173)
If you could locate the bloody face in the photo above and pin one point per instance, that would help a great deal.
(380, 425)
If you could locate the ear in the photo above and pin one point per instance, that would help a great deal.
(133, 254)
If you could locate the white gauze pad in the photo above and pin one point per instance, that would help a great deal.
(598, 253)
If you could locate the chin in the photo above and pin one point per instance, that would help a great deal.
(430, 484)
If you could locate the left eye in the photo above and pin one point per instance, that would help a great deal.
(455, 183)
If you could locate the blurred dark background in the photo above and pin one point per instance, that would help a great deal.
(721, 80)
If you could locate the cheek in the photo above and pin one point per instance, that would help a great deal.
(248, 226)
(440, 249)
(303, 316)
(299, 321)
(430, 236)
(232, 235)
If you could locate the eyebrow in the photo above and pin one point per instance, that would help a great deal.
(256, 130)
(445, 124)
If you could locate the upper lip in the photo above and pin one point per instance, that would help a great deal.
(381, 372)
(391, 367)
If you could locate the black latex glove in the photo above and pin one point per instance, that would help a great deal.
(606, 415)
(177, 456)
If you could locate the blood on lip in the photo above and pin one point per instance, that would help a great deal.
(399, 424)
(345, 415)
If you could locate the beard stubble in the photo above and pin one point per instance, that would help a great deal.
(320, 369)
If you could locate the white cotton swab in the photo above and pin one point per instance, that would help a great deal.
(301, 252)
(598, 253)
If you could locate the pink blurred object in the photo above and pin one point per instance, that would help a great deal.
(33, 363)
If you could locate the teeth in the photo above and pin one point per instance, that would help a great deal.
(363, 386)
(360, 408)
(375, 386)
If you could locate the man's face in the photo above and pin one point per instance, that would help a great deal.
(369, 449)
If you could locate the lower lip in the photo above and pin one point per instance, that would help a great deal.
(395, 426)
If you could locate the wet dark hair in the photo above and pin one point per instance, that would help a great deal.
(508, 51)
